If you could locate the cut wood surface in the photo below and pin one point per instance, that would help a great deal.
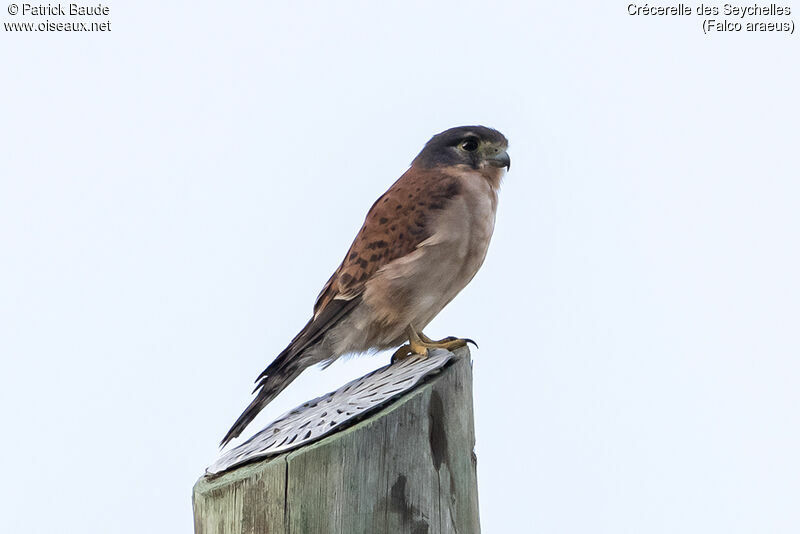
(410, 467)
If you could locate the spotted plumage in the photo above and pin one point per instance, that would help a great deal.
(410, 207)
(422, 242)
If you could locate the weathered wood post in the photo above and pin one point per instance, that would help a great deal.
(408, 467)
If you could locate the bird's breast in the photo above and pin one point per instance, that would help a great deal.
(469, 224)
(415, 288)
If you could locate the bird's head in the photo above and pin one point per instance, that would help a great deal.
(478, 147)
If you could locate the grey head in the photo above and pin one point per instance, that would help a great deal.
(476, 146)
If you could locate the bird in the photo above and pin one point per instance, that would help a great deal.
(421, 243)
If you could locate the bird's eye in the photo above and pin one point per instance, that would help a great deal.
(470, 144)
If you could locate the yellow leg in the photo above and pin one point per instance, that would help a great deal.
(419, 343)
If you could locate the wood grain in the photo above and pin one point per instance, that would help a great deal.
(408, 468)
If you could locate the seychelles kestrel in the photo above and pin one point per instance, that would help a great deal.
(421, 243)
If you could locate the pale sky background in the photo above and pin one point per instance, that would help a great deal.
(174, 193)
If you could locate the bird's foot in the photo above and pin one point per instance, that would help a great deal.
(405, 352)
(419, 344)
(449, 342)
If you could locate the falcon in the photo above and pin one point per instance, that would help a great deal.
(420, 245)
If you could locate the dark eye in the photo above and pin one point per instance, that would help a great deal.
(470, 144)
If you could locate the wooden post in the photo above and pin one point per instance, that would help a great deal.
(408, 468)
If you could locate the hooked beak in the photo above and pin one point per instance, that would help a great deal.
(501, 159)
